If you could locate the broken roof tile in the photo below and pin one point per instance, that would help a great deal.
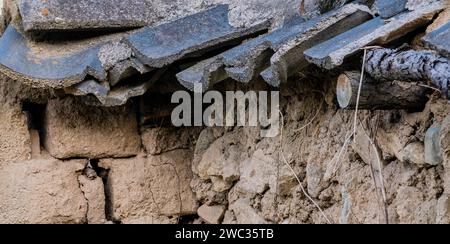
(120, 94)
(126, 69)
(164, 44)
(23, 60)
(415, 4)
(242, 63)
(389, 8)
(114, 52)
(320, 54)
(89, 68)
(85, 14)
(331, 53)
(206, 73)
(89, 87)
(439, 40)
(245, 62)
(289, 58)
(64, 63)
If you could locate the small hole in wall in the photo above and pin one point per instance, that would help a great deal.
(35, 115)
(188, 219)
(155, 110)
(101, 172)
(395, 117)
(104, 174)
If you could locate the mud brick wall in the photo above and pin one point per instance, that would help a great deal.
(124, 173)
(63, 160)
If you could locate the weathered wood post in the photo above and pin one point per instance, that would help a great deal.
(421, 66)
(379, 95)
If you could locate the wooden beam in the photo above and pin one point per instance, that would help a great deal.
(388, 65)
(379, 95)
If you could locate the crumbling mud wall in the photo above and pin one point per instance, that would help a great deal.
(221, 175)
(253, 182)
(65, 161)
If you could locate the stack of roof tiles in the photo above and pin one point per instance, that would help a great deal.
(108, 51)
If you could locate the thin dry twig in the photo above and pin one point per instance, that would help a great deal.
(382, 188)
(430, 87)
(371, 47)
(295, 174)
(372, 169)
(335, 160)
(355, 122)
